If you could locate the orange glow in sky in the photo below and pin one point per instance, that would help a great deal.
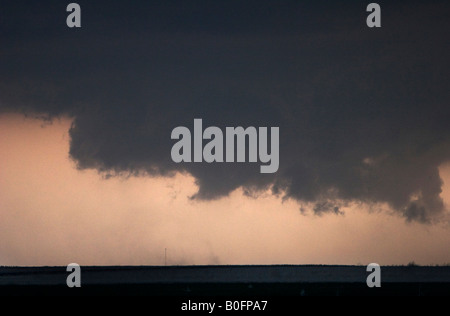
(53, 214)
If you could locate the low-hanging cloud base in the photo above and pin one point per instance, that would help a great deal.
(363, 113)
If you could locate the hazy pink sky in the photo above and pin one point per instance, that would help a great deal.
(53, 214)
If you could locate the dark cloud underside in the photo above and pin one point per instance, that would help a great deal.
(363, 113)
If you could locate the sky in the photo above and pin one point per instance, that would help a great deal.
(86, 116)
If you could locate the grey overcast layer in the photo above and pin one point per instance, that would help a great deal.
(363, 114)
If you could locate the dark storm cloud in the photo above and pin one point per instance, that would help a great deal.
(363, 113)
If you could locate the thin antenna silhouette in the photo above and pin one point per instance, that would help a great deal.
(165, 256)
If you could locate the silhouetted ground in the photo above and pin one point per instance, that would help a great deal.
(226, 281)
